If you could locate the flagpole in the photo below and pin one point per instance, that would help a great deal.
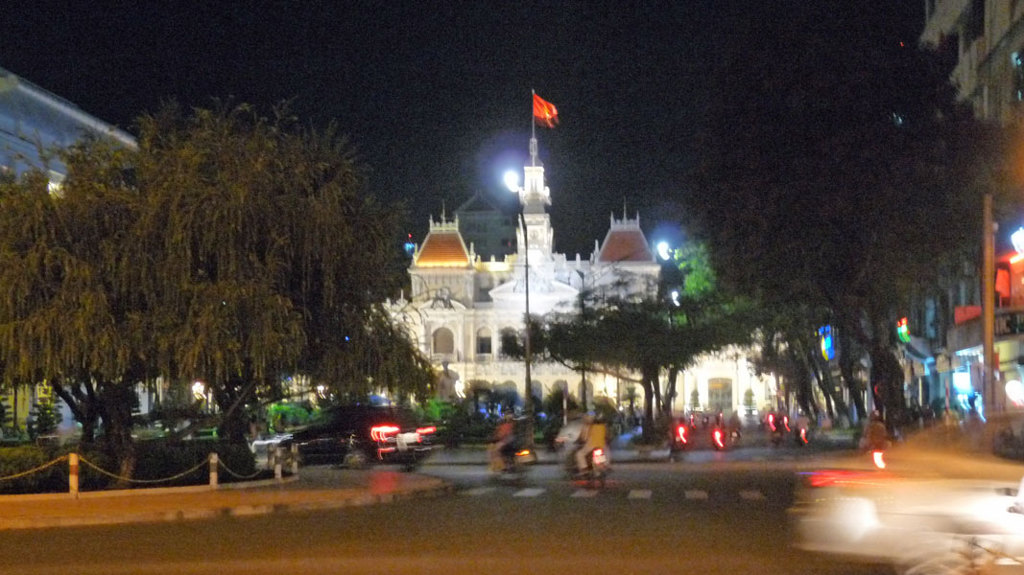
(533, 122)
(533, 127)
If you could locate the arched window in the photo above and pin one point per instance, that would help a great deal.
(443, 341)
(484, 341)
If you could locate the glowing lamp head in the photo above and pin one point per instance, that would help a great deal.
(512, 181)
(664, 251)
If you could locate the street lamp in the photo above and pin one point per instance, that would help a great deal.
(988, 385)
(512, 183)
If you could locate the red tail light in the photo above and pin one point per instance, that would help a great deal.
(879, 458)
(718, 438)
(771, 421)
(785, 422)
(681, 433)
(803, 435)
(598, 452)
(381, 432)
(426, 430)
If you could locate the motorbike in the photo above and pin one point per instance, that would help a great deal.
(719, 439)
(778, 428)
(800, 434)
(597, 467)
(513, 461)
(680, 440)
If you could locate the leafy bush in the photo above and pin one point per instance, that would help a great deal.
(161, 459)
(15, 461)
(157, 460)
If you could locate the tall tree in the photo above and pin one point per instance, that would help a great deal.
(66, 316)
(273, 255)
(837, 171)
(228, 248)
(642, 336)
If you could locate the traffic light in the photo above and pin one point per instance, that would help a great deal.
(902, 331)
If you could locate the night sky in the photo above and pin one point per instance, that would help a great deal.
(435, 96)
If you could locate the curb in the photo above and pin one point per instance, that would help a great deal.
(342, 498)
(147, 490)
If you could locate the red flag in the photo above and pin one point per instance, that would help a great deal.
(544, 113)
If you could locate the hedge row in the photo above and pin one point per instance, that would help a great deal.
(156, 460)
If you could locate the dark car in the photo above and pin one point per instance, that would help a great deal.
(361, 434)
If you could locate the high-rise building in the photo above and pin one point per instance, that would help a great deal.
(986, 40)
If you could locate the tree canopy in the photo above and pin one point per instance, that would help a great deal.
(837, 174)
(228, 248)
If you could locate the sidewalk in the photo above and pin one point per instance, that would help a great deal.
(316, 488)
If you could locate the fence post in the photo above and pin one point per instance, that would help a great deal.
(73, 475)
(213, 470)
(295, 460)
(278, 455)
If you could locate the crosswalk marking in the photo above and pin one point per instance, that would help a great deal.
(748, 495)
(478, 491)
(528, 492)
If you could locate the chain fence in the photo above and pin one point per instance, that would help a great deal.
(129, 480)
(37, 469)
(122, 478)
(237, 475)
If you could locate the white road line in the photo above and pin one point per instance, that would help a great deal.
(528, 492)
(752, 495)
(696, 494)
(584, 493)
(639, 494)
(478, 491)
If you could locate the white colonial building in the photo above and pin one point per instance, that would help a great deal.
(460, 303)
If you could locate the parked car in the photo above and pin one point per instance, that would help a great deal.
(361, 434)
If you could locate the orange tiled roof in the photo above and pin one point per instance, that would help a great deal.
(443, 249)
(625, 246)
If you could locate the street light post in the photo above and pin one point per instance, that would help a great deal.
(512, 182)
(988, 388)
(526, 336)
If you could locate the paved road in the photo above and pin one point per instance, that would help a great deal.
(650, 518)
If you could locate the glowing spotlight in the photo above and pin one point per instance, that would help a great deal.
(664, 252)
(512, 181)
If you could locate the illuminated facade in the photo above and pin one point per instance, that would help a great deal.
(461, 302)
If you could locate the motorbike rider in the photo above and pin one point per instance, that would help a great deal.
(877, 435)
(802, 422)
(503, 445)
(735, 426)
(593, 435)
